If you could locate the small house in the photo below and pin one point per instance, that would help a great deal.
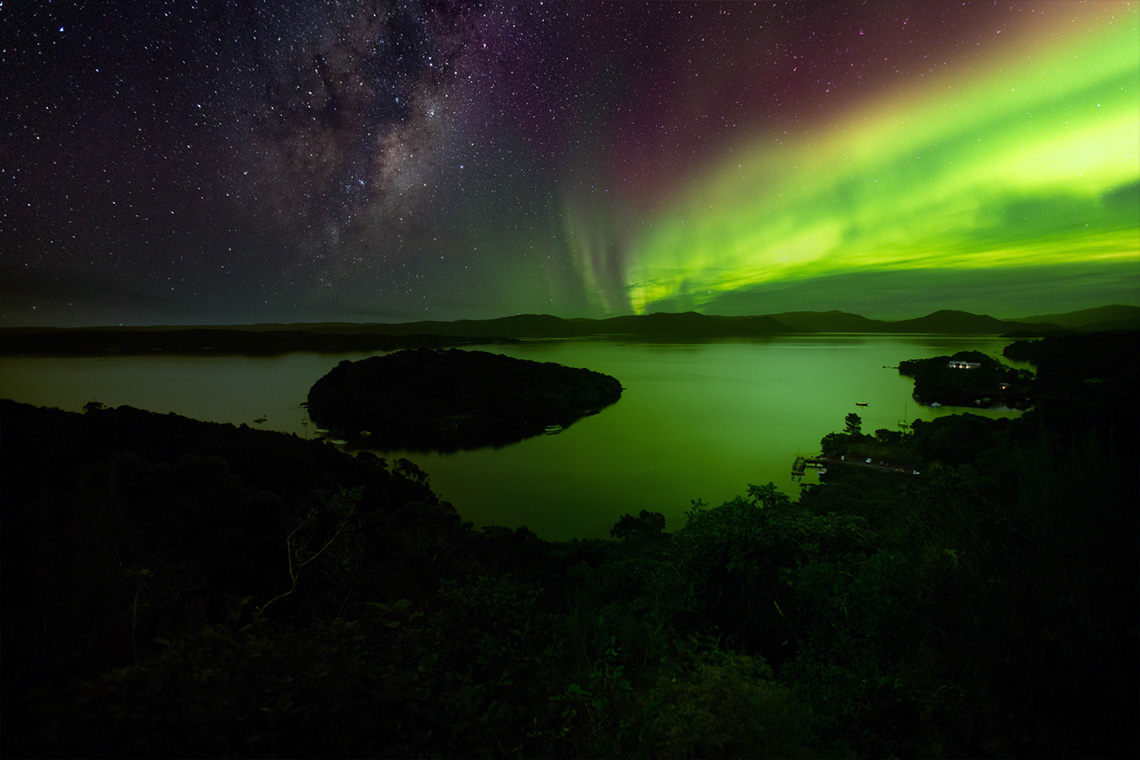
(959, 364)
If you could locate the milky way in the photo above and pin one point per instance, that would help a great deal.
(214, 161)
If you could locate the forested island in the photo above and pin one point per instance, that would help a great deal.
(181, 588)
(452, 399)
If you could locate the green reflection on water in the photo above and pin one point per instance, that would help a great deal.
(695, 421)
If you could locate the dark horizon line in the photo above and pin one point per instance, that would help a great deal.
(26, 329)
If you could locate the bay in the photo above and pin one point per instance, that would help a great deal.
(696, 420)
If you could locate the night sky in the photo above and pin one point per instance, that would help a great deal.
(234, 161)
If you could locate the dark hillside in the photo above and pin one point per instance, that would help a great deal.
(219, 340)
(1087, 381)
(830, 321)
(963, 323)
(174, 588)
(122, 528)
(690, 324)
(1127, 317)
(660, 326)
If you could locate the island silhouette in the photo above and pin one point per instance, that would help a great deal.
(446, 400)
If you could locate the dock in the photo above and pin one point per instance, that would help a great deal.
(803, 463)
(800, 465)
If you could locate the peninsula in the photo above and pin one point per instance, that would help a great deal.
(968, 378)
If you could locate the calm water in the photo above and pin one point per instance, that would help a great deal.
(695, 421)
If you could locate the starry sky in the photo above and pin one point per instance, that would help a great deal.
(240, 161)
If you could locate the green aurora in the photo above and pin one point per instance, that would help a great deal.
(889, 157)
(1020, 163)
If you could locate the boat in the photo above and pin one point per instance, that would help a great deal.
(552, 429)
(860, 403)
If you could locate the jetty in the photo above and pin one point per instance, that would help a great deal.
(800, 465)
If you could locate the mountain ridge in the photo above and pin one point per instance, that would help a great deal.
(331, 336)
(1097, 318)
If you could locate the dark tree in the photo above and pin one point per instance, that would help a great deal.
(646, 525)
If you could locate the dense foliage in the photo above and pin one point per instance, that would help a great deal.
(180, 588)
(454, 399)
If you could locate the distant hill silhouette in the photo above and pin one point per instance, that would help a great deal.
(829, 321)
(664, 326)
(256, 340)
(546, 326)
(692, 325)
(940, 322)
(961, 322)
(1102, 318)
